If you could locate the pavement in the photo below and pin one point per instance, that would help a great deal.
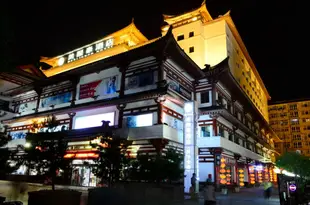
(246, 196)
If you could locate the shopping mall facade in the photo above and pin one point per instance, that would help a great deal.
(195, 86)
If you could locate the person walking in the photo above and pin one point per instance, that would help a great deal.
(209, 194)
(267, 189)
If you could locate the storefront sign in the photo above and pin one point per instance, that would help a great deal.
(86, 51)
(190, 148)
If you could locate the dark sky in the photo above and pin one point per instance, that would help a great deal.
(273, 31)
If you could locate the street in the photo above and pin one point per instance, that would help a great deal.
(246, 196)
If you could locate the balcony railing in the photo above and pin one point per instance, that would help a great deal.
(218, 141)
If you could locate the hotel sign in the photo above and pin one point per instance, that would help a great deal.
(86, 51)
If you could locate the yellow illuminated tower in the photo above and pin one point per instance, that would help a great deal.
(291, 121)
(210, 40)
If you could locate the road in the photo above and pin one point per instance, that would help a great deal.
(246, 196)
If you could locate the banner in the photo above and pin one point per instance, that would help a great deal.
(140, 80)
(26, 107)
(175, 86)
(102, 87)
(56, 100)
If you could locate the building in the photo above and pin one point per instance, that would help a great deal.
(234, 133)
(290, 120)
(139, 85)
(152, 90)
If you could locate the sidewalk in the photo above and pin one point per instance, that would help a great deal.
(246, 196)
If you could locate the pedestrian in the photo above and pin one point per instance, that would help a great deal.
(267, 189)
(209, 194)
(193, 183)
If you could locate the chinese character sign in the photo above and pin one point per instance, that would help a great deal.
(190, 149)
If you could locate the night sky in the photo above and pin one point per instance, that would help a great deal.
(273, 31)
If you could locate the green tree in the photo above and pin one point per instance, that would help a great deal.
(8, 160)
(112, 156)
(295, 163)
(46, 152)
(158, 168)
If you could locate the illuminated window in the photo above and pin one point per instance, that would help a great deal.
(93, 120)
(191, 34)
(140, 120)
(191, 49)
(206, 131)
(180, 37)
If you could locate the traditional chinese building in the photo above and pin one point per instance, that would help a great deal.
(195, 89)
(235, 141)
(140, 86)
(290, 120)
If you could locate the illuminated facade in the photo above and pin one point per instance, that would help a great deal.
(210, 41)
(235, 142)
(141, 91)
(291, 121)
(156, 94)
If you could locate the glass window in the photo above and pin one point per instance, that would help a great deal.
(180, 37)
(206, 131)
(204, 97)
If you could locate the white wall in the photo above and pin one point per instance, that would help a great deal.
(140, 104)
(174, 107)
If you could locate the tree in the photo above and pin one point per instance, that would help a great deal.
(46, 152)
(158, 168)
(112, 156)
(295, 163)
(8, 163)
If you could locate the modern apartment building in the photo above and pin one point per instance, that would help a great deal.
(291, 121)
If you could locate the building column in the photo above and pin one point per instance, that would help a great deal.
(214, 123)
(213, 90)
(39, 93)
(120, 108)
(122, 69)
(160, 101)
(71, 116)
(75, 81)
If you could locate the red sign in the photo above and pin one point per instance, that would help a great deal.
(88, 90)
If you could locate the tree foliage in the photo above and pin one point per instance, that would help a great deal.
(112, 156)
(158, 168)
(295, 163)
(7, 163)
(46, 152)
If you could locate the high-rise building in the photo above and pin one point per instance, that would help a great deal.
(291, 121)
(234, 133)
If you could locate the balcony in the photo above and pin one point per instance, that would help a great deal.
(151, 132)
(228, 145)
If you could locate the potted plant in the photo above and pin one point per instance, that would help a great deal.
(236, 188)
(224, 189)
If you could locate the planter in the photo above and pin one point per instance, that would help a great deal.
(224, 191)
(57, 197)
(136, 193)
(237, 189)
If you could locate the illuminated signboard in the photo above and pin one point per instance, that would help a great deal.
(86, 51)
(190, 148)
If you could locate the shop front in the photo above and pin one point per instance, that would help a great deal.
(227, 171)
(82, 168)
